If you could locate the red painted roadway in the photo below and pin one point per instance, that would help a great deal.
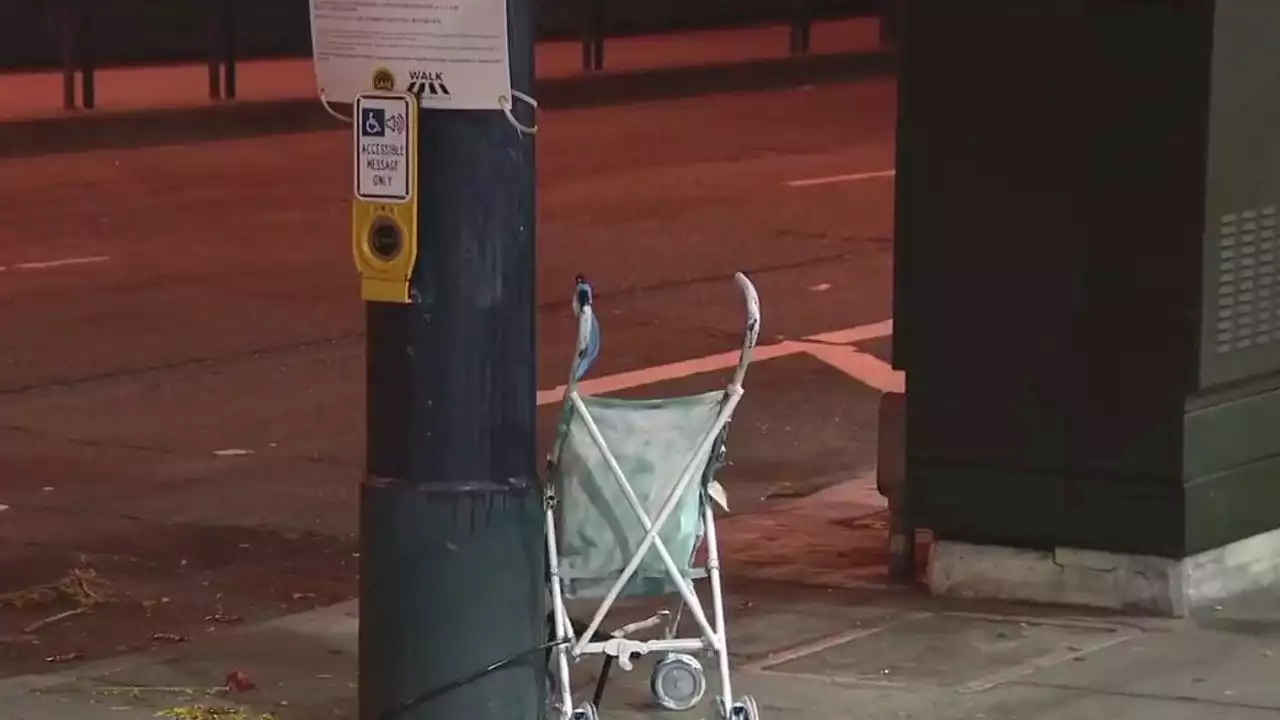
(181, 350)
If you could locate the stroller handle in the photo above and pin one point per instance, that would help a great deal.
(752, 335)
(584, 352)
(583, 357)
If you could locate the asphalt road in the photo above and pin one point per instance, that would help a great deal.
(161, 306)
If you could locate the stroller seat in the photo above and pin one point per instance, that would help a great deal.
(651, 441)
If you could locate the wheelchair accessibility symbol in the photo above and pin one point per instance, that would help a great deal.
(373, 122)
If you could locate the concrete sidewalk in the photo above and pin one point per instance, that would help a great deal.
(807, 651)
(801, 653)
(155, 105)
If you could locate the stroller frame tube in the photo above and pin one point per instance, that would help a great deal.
(717, 605)
(564, 631)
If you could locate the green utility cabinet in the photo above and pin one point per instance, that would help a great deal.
(1087, 304)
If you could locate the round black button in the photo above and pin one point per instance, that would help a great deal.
(385, 240)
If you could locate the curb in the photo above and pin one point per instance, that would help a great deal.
(164, 126)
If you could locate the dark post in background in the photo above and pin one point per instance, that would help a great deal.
(452, 550)
(76, 35)
(800, 38)
(222, 50)
(593, 36)
(891, 12)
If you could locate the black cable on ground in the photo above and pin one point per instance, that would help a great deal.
(603, 680)
(450, 687)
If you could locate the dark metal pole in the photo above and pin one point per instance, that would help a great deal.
(69, 22)
(229, 49)
(801, 27)
(593, 36)
(890, 12)
(215, 49)
(87, 60)
(597, 34)
(453, 562)
(588, 42)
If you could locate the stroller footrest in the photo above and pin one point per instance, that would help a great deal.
(635, 627)
(613, 646)
(624, 649)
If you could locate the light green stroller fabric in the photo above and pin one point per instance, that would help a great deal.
(652, 441)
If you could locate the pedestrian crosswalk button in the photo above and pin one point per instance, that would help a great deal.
(385, 239)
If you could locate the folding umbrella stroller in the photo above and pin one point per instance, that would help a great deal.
(630, 494)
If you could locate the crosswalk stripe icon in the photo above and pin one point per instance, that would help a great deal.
(423, 87)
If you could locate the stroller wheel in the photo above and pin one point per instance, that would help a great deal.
(678, 682)
(586, 711)
(746, 709)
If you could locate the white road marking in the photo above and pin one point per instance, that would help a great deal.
(849, 336)
(46, 264)
(863, 367)
(808, 182)
(812, 647)
(670, 371)
(830, 347)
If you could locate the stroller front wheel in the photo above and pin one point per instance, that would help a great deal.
(678, 682)
(745, 709)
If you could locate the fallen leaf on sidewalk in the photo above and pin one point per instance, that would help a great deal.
(223, 619)
(82, 586)
(201, 712)
(37, 625)
(783, 491)
(239, 682)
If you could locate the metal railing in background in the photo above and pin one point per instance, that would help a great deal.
(593, 34)
(222, 50)
(801, 16)
(801, 27)
(75, 22)
(82, 56)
